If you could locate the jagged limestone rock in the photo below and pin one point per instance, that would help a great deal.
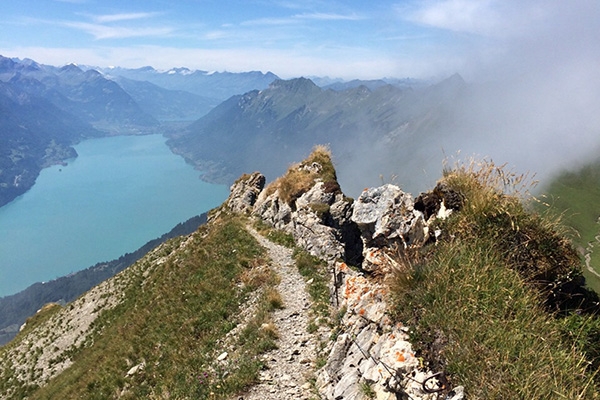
(386, 216)
(244, 192)
(318, 220)
(371, 351)
(272, 210)
(316, 195)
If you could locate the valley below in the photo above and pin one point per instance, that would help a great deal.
(116, 195)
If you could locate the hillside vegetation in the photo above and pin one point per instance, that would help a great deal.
(175, 307)
(16, 308)
(493, 302)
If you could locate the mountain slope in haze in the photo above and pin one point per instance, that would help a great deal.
(45, 110)
(372, 84)
(87, 95)
(575, 195)
(368, 130)
(35, 134)
(216, 85)
(164, 104)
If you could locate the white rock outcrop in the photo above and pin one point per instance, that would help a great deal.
(372, 353)
(386, 217)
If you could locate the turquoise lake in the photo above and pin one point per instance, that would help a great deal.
(119, 193)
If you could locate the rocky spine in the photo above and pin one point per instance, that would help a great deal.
(371, 356)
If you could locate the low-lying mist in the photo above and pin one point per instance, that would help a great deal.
(531, 98)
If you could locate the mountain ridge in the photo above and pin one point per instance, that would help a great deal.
(218, 85)
(266, 130)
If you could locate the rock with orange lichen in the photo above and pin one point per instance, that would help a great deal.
(371, 350)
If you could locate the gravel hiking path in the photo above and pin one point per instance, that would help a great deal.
(292, 363)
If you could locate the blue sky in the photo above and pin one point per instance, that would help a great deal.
(348, 39)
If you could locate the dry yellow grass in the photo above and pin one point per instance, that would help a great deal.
(300, 177)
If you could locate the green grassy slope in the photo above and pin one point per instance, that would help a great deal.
(172, 321)
(576, 195)
(489, 303)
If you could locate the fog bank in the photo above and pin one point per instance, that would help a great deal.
(533, 82)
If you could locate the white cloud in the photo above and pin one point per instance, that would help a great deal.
(329, 17)
(516, 36)
(100, 31)
(459, 15)
(269, 21)
(298, 18)
(123, 17)
(540, 61)
(217, 35)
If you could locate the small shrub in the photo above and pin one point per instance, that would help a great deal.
(275, 235)
(367, 390)
(321, 209)
(273, 299)
(314, 270)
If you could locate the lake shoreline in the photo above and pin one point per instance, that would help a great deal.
(170, 194)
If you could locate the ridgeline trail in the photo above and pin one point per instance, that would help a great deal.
(288, 367)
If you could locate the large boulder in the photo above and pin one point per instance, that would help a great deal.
(386, 218)
(244, 192)
(318, 220)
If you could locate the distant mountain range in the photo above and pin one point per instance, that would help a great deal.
(212, 85)
(48, 109)
(164, 104)
(87, 95)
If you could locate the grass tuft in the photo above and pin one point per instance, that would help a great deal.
(299, 178)
(274, 235)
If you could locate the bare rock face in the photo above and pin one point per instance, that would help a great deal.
(372, 352)
(318, 220)
(386, 217)
(272, 210)
(245, 191)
